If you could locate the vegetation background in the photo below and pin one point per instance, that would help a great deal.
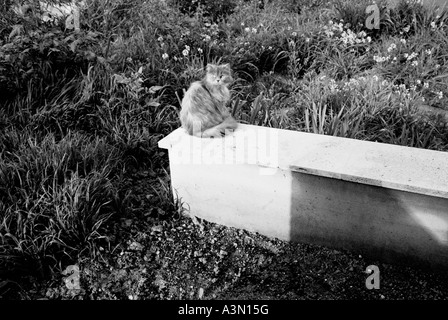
(83, 183)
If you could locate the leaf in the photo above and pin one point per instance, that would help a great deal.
(4, 283)
(440, 76)
(154, 89)
(53, 50)
(74, 44)
(153, 104)
(16, 31)
(120, 79)
(69, 38)
(92, 34)
(237, 106)
(256, 108)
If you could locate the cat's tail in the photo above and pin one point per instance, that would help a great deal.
(229, 124)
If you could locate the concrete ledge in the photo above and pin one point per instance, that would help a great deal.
(386, 201)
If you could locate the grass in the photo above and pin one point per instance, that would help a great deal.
(81, 112)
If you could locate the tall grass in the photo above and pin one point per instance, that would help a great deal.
(54, 197)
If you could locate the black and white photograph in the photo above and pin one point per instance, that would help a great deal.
(219, 158)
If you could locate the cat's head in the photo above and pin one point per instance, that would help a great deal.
(218, 74)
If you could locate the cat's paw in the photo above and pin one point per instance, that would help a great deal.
(213, 133)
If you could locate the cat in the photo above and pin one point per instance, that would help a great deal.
(204, 113)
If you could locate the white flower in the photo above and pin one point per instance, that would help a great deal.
(433, 25)
(419, 82)
(294, 34)
(160, 39)
(379, 59)
(392, 47)
(187, 47)
(247, 29)
(406, 29)
(307, 40)
(440, 95)
(426, 85)
(165, 56)
(369, 39)
(254, 30)
(185, 52)
(428, 51)
(410, 56)
(403, 41)
(414, 63)
(200, 50)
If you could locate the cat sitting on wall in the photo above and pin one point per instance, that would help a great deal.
(204, 112)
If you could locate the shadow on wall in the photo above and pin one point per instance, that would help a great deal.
(388, 225)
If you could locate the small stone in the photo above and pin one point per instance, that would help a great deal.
(157, 228)
(135, 246)
(159, 282)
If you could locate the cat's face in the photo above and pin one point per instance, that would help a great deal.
(219, 74)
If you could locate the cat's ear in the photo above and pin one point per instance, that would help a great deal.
(210, 68)
(226, 66)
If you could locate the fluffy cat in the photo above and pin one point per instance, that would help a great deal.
(204, 112)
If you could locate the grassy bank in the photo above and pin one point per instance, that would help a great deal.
(81, 112)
